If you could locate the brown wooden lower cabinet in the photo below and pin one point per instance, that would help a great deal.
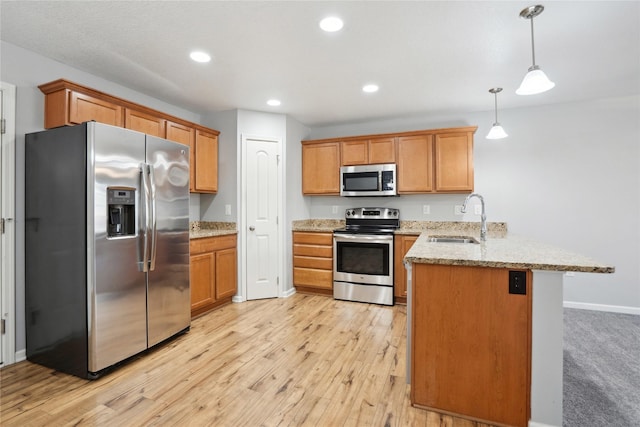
(213, 272)
(313, 262)
(471, 343)
(401, 245)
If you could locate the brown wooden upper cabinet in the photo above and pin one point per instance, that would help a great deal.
(145, 123)
(440, 163)
(206, 162)
(68, 103)
(453, 158)
(415, 164)
(67, 107)
(369, 151)
(427, 161)
(321, 168)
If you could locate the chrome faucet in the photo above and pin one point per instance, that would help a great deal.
(483, 217)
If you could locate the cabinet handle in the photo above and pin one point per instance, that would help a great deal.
(252, 228)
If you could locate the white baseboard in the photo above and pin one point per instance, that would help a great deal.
(536, 424)
(238, 298)
(288, 293)
(21, 355)
(602, 307)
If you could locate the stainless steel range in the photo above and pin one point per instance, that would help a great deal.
(363, 255)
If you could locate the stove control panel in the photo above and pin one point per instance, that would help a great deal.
(372, 213)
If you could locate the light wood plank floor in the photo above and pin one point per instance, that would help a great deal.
(304, 360)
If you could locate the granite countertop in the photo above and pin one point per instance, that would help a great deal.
(495, 229)
(199, 229)
(501, 249)
(505, 252)
(318, 225)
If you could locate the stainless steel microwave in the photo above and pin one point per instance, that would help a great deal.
(368, 180)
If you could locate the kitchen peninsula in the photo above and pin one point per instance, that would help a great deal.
(485, 327)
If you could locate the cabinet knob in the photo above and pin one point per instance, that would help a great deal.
(252, 228)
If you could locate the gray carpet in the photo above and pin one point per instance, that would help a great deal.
(601, 369)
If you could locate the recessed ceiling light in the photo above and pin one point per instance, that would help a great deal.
(199, 56)
(331, 24)
(274, 102)
(370, 88)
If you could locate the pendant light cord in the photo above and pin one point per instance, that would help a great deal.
(495, 97)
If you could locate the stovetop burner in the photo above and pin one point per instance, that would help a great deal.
(371, 221)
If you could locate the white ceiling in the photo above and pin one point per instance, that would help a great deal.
(428, 57)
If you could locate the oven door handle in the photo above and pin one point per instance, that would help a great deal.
(373, 238)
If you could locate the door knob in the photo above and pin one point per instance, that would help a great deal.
(252, 228)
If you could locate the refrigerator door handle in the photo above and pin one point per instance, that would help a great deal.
(144, 215)
(154, 229)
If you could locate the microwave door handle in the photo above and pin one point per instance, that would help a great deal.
(380, 181)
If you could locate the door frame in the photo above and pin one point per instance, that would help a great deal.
(8, 211)
(242, 226)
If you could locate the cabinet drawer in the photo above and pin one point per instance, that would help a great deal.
(313, 262)
(313, 250)
(210, 244)
(313, 238)
(313, 277)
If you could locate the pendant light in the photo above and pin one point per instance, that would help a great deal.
(535, 81)
(496, 131)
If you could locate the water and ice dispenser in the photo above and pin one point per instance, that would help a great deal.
(121, 215)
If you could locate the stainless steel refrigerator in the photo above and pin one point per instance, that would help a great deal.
(107, 245)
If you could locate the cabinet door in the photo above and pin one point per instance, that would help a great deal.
(203, 273)
(454, 162)
(206, 162)
(415, 164)
(402, 244)
(226, 273)
(321, 168)
(145, 123)
(355, 152)
(83, 108)
(468, 330)
(184, 135)
(382, 150)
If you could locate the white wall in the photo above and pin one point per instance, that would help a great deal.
(26, 70)
(212, 206)
(568, 175)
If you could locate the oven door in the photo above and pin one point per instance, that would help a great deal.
(363, 259)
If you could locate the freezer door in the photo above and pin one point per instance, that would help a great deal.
(116, 284)
(169, 295)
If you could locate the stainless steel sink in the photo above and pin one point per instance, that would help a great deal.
(452, 239)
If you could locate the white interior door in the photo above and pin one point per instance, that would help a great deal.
(261, 227)
(7, 227)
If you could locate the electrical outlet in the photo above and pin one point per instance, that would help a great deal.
(457, 210)
(334, 209)
(227, 209)
(517, 282)
(426, 209)
(477, 209)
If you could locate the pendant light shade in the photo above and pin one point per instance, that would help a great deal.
(535, 81)
(496, 132)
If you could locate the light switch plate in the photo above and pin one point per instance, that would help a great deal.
(227, 209)
(477, 209)
(457, 210)
(426, 209)
(334, 209)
